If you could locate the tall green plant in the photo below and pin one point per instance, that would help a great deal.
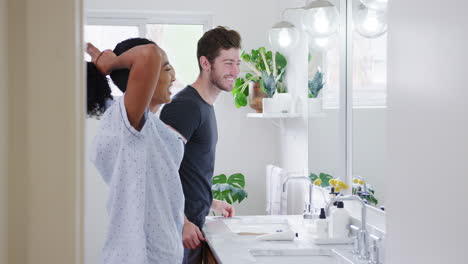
(316, 84)
(267, 68)
(229, 189)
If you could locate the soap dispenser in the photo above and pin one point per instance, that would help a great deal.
(339, 221)
(322, 225)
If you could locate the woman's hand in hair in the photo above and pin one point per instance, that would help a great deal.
(103, 60)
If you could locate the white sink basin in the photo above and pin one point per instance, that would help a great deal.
(256, 226)
(298, 256)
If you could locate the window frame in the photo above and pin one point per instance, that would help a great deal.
(142, 18)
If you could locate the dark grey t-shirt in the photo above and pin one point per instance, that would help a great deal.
(195, 119)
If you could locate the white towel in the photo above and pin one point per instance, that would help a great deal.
(268, 171)
(276, 198)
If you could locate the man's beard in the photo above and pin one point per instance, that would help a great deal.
(217, 81)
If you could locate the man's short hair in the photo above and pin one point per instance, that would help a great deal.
(213, 41)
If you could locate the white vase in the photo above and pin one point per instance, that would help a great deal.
(283, 101)
(314, 105)
(269, 106)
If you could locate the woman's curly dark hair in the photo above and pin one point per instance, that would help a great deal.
(98, 91)
(120, 77)
(98, 87)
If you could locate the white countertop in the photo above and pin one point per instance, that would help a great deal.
(230, 247)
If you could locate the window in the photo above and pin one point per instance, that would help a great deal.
(369, 71)
(176, 34)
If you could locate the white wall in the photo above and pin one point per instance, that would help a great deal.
(3, 130)
(427, 132)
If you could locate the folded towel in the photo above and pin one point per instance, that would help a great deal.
(275, 197)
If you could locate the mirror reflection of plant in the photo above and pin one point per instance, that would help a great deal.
(316, 84)
(267, 68)
(364, 190)
(229, 189)
(327, 181)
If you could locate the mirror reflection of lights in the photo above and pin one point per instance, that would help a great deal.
(321, 42)
(380, 5)
(371, 23)
(284, 39)
(322, 24)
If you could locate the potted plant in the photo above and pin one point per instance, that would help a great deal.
(315, 86)
(365, 191)
(264, 81)
(229, 189)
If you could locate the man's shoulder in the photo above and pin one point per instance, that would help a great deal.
(187, 98)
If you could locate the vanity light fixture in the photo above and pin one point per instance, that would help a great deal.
(283, 36)
(320, 18)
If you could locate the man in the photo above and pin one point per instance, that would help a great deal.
(191, 113)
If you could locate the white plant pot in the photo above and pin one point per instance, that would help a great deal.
(283, 101)
(270, 105)
(314, 105)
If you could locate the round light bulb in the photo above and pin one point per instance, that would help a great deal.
(283, 36)
(320, 19)
(369, 23)
(284, 40)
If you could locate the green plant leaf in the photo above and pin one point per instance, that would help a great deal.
(245, 57)
(240, 99)
(221, 178)
(227, 199)
(238, 195)
(325, 179)
(281, 61)
(372, 200)
(262, 49)
(316, 84)
(237, 180)
(221, 187)
(313, 177)
(239, 82)
(269, 86)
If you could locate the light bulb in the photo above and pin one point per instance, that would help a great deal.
(320, 19)
(284, 39)
(283, 36)
(369, 23)
(322, 25)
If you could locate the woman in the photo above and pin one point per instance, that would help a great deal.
(137, 154)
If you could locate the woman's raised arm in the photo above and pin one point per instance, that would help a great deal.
(144, 63)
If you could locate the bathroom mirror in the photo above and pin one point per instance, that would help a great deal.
(327, 121)
(367, 85)
(347, 134)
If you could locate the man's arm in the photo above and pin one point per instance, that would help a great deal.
(223, 208)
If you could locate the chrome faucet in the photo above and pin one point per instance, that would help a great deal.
(308, 211)
(363, 236)
(374, 257)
